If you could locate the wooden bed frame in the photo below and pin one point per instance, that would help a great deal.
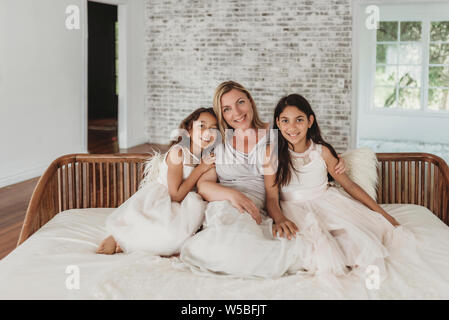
(107, 180)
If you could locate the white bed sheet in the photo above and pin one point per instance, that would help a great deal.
(37, 269)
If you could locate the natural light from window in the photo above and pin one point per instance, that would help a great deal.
(404, 78)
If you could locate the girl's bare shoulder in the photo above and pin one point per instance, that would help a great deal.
(175, 155)
(328, 156)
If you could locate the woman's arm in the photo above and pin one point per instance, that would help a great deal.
(177, 188)
(210, 190)
(353, 188)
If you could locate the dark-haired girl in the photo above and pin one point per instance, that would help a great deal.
(164, 212)
(341, 233)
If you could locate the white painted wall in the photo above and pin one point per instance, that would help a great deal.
(43, 88)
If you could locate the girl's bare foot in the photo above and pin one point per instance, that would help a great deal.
(118, 249)
(107, 246)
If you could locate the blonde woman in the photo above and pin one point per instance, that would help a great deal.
(237, 234)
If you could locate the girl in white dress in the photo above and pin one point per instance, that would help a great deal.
(236, 239)
(340, 233)
(165, 211)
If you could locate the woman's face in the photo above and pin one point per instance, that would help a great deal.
(203, 131)
(237, 109)
(294, 124)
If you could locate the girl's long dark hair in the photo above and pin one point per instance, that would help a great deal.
(283, 173)
(186, 124)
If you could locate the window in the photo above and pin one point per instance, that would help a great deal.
(438, 97)
(412, 65)
(400, 72)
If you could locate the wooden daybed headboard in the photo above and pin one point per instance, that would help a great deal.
(108, 180)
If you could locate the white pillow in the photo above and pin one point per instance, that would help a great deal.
(361, 167)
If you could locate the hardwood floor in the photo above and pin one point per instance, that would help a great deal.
(14, 199)
(102, 136)
(13, 204)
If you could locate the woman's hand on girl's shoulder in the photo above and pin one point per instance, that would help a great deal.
(285, 227)
(341, 165)
(334, 166)
(338, 164)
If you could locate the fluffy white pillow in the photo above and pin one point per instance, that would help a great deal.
(361, 167)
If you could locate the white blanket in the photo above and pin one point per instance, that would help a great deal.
(46, 266)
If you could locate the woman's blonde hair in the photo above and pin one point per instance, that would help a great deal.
(223, 88)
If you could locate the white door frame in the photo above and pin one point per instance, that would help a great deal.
(122, 73)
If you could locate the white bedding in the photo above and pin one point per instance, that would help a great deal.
(37, 268)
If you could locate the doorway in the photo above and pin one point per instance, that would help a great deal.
(102, 96)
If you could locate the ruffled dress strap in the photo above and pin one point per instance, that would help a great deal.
(187, 155)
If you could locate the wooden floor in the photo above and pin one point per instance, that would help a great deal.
(13, 204)
(14, 198)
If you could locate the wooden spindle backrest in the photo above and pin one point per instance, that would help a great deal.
(98, 181)
(108, 180)
(415, 178)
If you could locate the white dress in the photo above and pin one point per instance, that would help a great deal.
(232, 243)
(337, 230)
(149, 221)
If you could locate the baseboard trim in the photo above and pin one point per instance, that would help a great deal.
(22, 176)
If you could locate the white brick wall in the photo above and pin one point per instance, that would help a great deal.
(273, 48)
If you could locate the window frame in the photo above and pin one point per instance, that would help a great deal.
(405, 12)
